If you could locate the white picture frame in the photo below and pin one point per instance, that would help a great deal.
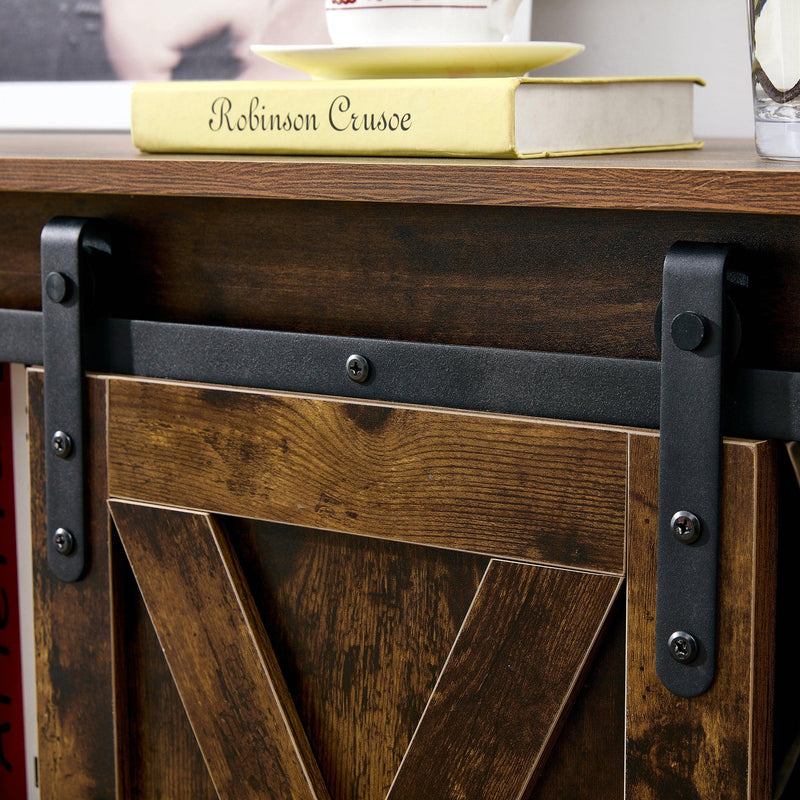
(65, 106)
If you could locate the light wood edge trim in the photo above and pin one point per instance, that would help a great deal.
(762, 633)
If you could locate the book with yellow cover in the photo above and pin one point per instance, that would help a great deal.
(471, 117)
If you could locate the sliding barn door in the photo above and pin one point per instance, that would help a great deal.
(302, 598)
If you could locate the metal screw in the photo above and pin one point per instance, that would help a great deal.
(683, 647)
(62, 444)
(357, 368)
(64, 541)
(688, 329)
(685, 526)
(57, 287)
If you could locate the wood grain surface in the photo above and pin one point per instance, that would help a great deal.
(219, 655)
(718, 744)
(411, 271)
(588, 757)
(157, 753)
(487, 484)
(72, 627)
(726, 176)
(507, 684)
(763, 525)
(361, 628)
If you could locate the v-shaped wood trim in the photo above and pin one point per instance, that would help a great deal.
(507, 685)
(219, 655)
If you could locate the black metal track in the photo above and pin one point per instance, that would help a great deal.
(507, 381)
(21, 337)
(758, 403)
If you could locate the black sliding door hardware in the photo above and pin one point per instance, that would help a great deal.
(687, 395)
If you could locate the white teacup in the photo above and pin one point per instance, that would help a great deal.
(366, 22)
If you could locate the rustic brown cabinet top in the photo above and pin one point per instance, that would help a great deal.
(726, 175)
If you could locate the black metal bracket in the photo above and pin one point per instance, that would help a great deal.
(693, 355)
(65, 282)
(690, 409)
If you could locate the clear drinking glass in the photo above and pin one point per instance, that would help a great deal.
(775, 55)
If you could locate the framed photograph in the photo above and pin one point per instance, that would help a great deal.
(70, 64)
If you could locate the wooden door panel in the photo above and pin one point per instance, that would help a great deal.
(507, 685)
(361, 628)
(503, 486)
(718, 744)
(501, 698)
(588, 758)
(157, 753)
(219, 655)
(351, 653)
(74, 670)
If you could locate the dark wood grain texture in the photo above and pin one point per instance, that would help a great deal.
(718, 744)
(588, 758)
(508, 681)
(487, 484)
(411, 271)
(220, 658)
(74, 673)
(157, 753)
(361, 628)
(726, 176)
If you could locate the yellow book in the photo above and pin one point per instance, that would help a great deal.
(472, 117)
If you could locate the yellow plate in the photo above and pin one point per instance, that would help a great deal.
(462, 60)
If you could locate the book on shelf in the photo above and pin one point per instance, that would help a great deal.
(469, 117)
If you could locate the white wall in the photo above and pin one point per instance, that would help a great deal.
(707, 38)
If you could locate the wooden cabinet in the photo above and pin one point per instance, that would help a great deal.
(294, 595)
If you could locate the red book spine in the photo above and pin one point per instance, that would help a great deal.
(12, 740)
